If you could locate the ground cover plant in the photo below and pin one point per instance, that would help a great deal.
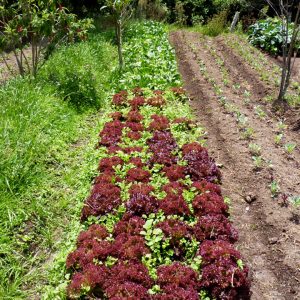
(43, 136)
(155, 221)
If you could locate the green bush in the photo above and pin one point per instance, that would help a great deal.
(216, 25)
(267, 35)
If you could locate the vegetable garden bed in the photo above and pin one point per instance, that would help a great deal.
(156, 223)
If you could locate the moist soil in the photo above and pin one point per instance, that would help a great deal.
(268, 226)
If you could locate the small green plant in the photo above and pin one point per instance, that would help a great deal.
(254, 149)
(281, 126)
(260, 113)
(248, 133)
(258, 162)
(295, 200)
(290, 147)
(275, 189)
(278, 138)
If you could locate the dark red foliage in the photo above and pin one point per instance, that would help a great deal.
(162, 139)
(157, 101)
(174, 172)
(134, 272)
(185, 121)
(162, 157)
(178, 91)
(142, 203)
(116, 115)
(87, 252)
(130, 150)
(209, 203)
(113, 149)
(174, 205)
(159, 123)
(138, 91)
(214, 250)
(137, 162)
(134, 135)
(199, 164)
(175, 229)
(106, 177)
(134, 116)
(103, 199)
(225, 280)
(177, 275)
(95, 231)
(120, 98)
(174, 188)
(137, 102)
(138, 174)
(204, 186)
(77, 282)
(107, 164)
(158, 92)
(129, 247)
(127, 291)
(111, 133)
(213, 227)
(134, 126)
(144, 189)
(173, 292)
(129, 225)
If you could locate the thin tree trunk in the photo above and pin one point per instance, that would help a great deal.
(119, 42)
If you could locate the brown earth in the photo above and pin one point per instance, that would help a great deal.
(269, 230)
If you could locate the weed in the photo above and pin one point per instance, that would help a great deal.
(295, 200)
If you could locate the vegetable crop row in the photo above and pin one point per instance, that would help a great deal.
(156, 223)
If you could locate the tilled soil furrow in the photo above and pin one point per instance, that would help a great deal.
(265, 129)
(264, 240)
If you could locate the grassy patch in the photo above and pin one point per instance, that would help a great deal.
(40, 177)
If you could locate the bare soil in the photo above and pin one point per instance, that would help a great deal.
(269, 230)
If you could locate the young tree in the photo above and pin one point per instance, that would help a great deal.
(42, 24)
(121, 11)
(284, 10)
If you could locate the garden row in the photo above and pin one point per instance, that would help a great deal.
(156, 223)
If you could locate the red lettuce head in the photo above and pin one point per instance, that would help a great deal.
(95, 231)
(138, 174)
(129, 225)
(215, 227)
(129, 247)
(177, 275)
(209, 203)
(174, 172)
(174, 205)
(103, 199)
(159, 123)
(120, 98)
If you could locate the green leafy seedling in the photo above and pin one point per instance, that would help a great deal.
(278, 138)
(290, 147)
(254, 149)
(275, 189)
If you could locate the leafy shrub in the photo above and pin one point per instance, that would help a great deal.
(216, 25)
(267, 35)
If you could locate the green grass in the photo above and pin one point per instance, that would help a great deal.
(44, 174)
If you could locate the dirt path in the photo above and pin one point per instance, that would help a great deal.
(269, 232)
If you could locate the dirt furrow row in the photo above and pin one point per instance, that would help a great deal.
(269, 243)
